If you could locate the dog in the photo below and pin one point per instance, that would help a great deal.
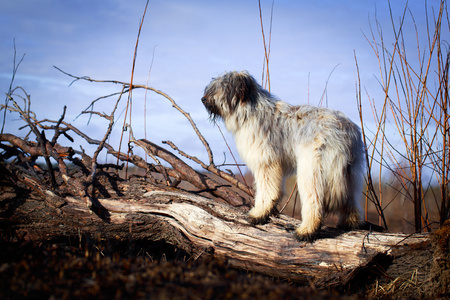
(275, 139)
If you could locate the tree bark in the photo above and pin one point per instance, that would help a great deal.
(202, 226)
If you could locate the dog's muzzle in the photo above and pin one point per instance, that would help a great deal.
(213, 111)
(207, 105)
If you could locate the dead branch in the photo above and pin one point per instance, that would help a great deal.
(213, 169)
(33, 149)
(40, 136)
(110, 118)
(201, 181)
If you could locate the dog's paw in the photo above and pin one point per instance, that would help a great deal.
(257, 220)
(307, 233)
(305, 237)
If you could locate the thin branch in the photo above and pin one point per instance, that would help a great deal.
(40, 136)
(110, 118)
(10, 90)
(212, 168)
(129, 101)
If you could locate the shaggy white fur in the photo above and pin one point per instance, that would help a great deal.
(275, 139)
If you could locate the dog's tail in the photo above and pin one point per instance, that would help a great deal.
(346, 168)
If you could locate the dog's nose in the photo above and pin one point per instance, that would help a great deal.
(204, 99)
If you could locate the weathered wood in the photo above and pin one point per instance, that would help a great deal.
(201, 225)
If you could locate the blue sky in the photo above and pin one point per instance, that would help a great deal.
(186, 43)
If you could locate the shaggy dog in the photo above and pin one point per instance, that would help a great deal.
(275, 139)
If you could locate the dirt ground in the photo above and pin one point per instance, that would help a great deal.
(88, 269)
(83, 267)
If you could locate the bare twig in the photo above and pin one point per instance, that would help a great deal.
(266, 73)
(110, 118)
(242, 186)
(128, 109)
(40, 136)
(370, 194)
(10, 90)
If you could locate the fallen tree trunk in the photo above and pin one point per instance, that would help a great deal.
(202, 226)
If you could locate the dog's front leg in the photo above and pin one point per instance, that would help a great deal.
(269, 191)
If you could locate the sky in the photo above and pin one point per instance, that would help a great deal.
(184, 44)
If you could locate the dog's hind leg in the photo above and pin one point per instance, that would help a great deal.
(346, 180)
(269, 181)
(311, 188)
(350, 213)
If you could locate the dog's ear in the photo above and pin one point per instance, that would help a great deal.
(240, 89)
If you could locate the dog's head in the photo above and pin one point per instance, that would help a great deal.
(229, 92)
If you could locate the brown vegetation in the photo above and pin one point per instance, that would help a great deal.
(415, 107)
